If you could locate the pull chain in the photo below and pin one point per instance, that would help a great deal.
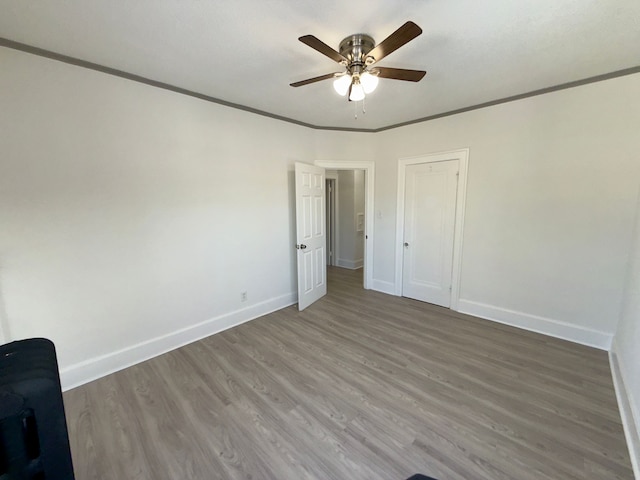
(355, 109)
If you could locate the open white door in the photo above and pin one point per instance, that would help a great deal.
(311, 241)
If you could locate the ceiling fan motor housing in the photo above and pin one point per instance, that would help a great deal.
(355, 48)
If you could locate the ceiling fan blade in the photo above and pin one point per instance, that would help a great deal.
(400, 74)
(404, 34)
(323, 48)
(313, 80)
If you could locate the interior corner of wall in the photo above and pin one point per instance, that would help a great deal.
(629, 416)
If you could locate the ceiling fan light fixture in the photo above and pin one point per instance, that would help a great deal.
(341, 84)
(359, 55)
(369, 82)
(357, 92)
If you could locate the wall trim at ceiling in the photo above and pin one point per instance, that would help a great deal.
(5, 42)
(521, 96)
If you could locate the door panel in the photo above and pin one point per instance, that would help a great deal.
(310, 234)
(429, 222)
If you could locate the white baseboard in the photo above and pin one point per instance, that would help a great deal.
(630, 417)
(350, 264)
(534, 323)
(384, 287)
(97, 367)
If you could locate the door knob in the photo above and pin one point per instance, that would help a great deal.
(406, 244)
(302, 246)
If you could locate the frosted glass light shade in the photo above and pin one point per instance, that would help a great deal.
(341, 84)
(357, 92)
(369, 82)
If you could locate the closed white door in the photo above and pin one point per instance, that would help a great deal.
(310, 234)
(429, 223)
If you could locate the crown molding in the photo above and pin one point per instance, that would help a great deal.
(5, 42)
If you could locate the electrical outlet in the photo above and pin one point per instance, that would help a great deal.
(243, 296)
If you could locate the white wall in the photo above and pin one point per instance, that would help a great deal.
(3, 327)
(133, 217)
(626, 351)
(550, 199)
(130, 215)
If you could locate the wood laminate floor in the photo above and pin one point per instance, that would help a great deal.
(361, 385)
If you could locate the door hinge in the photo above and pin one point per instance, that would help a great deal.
(458, 174)
(450, 288)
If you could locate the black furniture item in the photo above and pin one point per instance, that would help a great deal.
(419, 476)
(34, 444)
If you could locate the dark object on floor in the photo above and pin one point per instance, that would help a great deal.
(418, 476)
(34, 444)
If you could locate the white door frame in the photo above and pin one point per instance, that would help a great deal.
(369, 183)
(462, 156)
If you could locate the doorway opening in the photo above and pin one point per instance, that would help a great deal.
(345, 224)
(331, 181)
(349, 219)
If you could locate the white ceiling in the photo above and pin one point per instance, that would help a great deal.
(246, 51)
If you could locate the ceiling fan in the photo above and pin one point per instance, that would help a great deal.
(358, 53)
